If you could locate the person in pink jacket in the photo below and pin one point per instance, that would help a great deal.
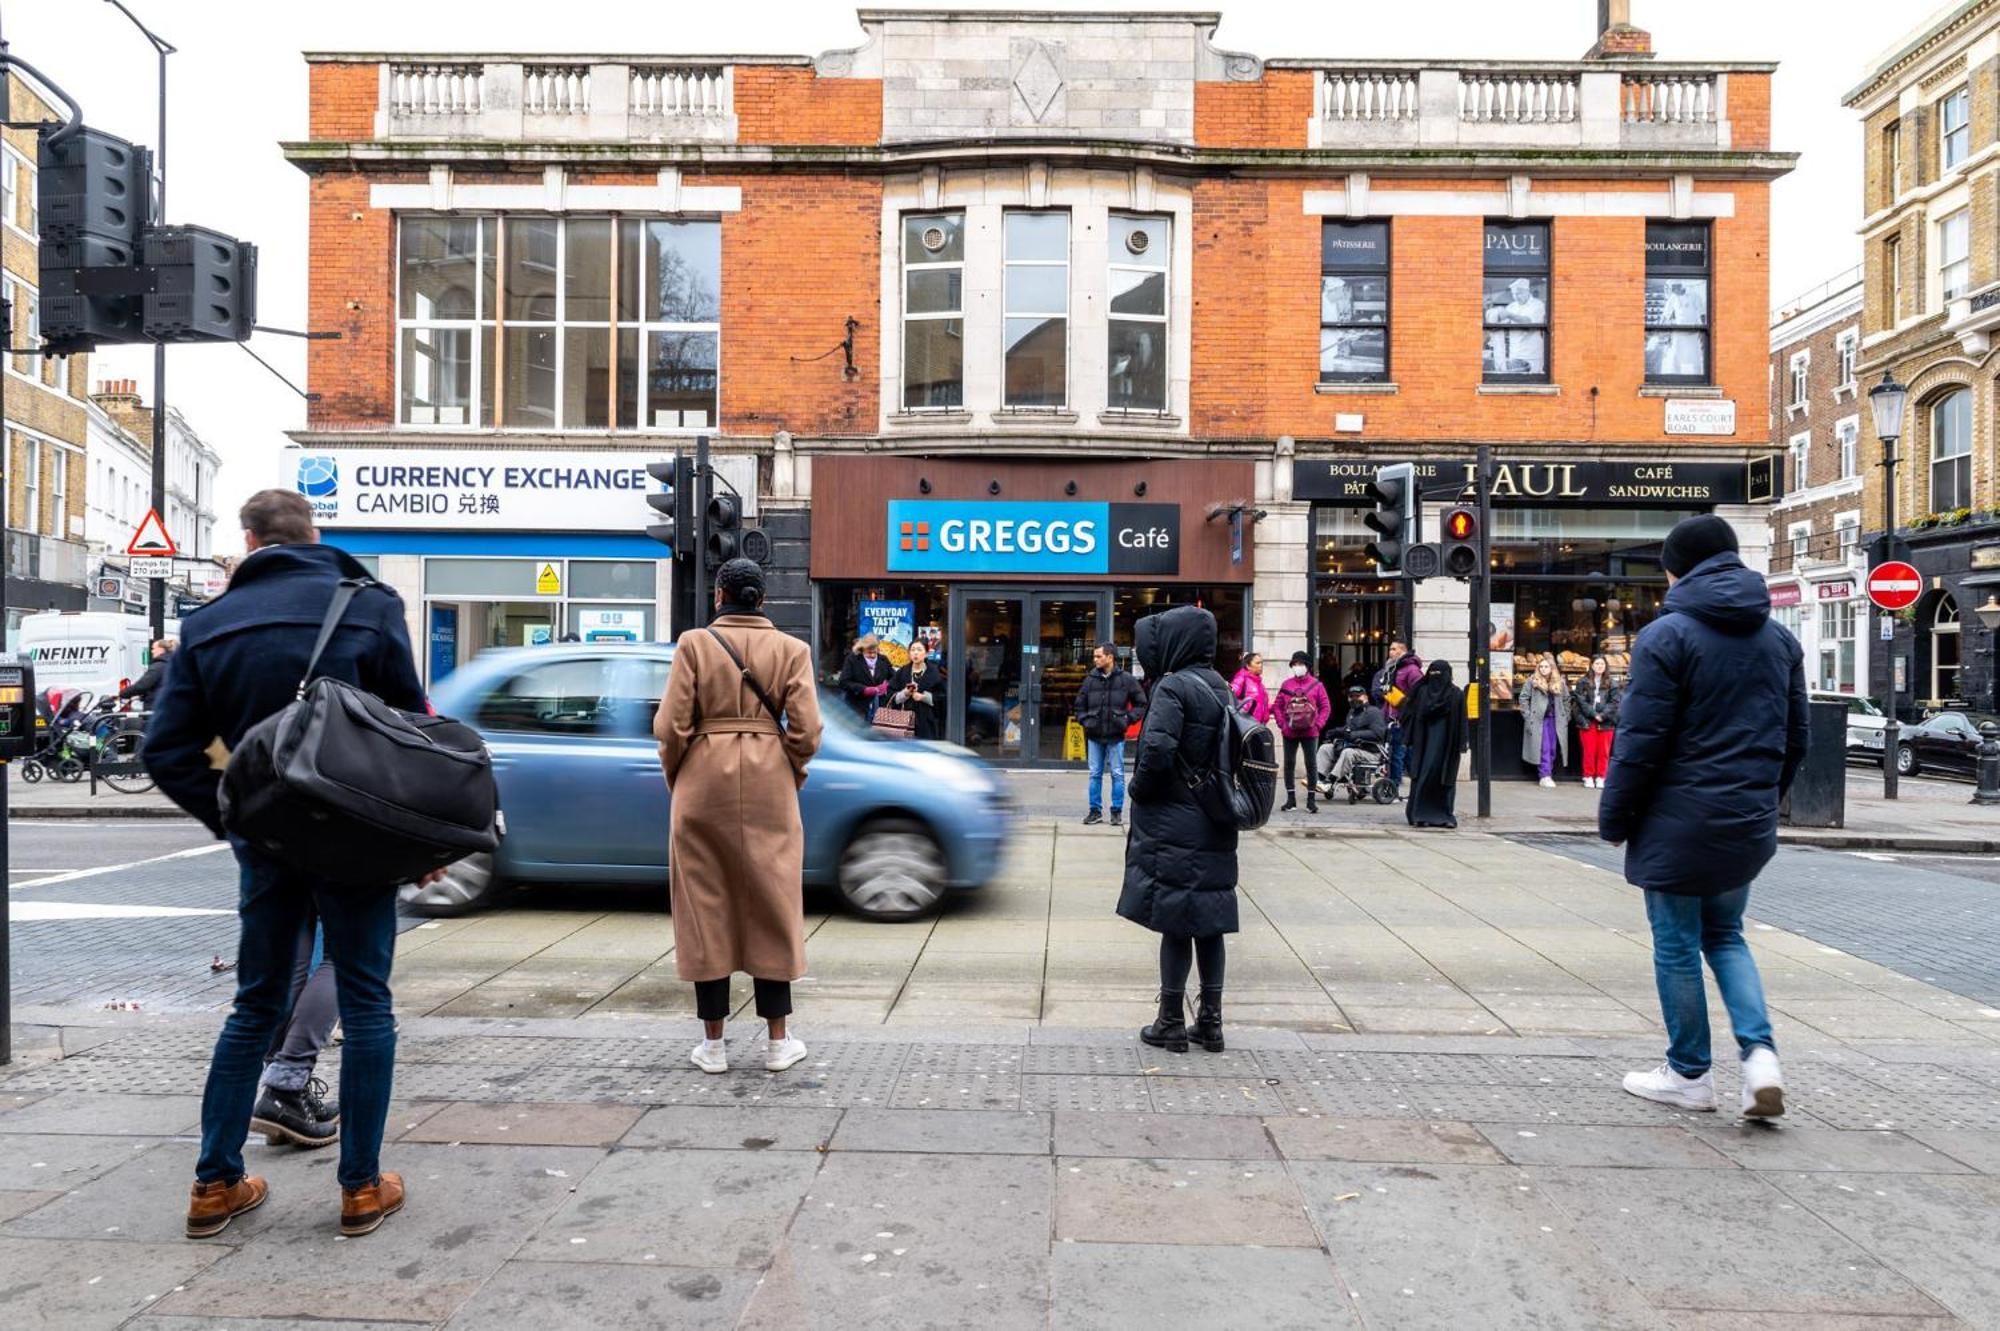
(1302, 710)
(1252, 699)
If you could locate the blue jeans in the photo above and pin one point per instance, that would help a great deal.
(273, 905)
(1103, 754)
(1398, 752)
(1685, 929)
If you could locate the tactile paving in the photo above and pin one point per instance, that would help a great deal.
(1214, 1095)
(920, 1088)
(1087, 1059)
(1093, 1092)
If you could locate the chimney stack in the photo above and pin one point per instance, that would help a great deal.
(1617, 39)
(121, 402)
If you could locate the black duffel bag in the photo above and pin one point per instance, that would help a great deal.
(346, 788)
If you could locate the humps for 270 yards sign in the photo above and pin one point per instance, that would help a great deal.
(493, 489)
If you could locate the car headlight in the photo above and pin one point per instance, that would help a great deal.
(953, 773)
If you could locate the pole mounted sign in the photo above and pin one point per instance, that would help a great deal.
(151, 538)
(1895, 586)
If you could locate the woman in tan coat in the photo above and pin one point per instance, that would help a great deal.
(736, 851)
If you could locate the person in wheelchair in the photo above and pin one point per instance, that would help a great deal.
(1356, 743)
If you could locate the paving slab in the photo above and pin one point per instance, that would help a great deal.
(1981, 1150)
(96, 1113)
(734, 1127)
(591, 1296)
(914, 1240)
(944, 1131)
(15, 1202)
(1179, 1201)
(1388, 1141)
(678, 1208)
(1385, 1226)
(526, 1124)
(1785, 1148)
(81, 1286)
(1161, 1136)
(1142, 1287)
(1602, 1144)
(61, 1161)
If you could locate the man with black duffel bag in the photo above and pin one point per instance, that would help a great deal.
(242, 659)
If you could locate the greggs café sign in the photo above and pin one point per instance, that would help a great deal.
(1664, 484)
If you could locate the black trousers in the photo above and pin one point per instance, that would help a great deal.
(1309, 747)
(711, 998)
(1177, 950)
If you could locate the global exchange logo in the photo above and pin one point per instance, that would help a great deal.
(319, 482)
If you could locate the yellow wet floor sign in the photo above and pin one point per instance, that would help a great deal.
(548, 582)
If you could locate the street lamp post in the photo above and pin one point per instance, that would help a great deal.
(1887, 401)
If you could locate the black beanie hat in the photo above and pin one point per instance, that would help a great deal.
(1300, 658)
(1694, 539)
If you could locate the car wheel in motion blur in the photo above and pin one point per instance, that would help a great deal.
(892, 870)
(469, 885)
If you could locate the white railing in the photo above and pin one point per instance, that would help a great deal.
(556, 90)
(680, 90)
(436, 90)
(1500, 98)
(1669, 99)
(1368, 95)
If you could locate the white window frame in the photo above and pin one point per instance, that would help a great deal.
(1798, 392)
(1847, 526)
(1800, 459)
(31, 483)
(1952, 155)
(1847, 439)
(1163, 320)
(1894, 135)
(1960, 267)
(1799, 534)
(10, 187)
(1892, 262)
(59, 493)
(1934, 458)
(1836, 633)
(1791, 618)
(1067, 264)
(1846, 351)
(903, 301)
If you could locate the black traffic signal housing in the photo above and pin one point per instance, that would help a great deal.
(674, 502)
(1461, 543)
(204, 286)
(1394, 492)
(94, 199)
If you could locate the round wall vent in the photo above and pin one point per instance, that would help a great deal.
(1137, 241)
(934, 238)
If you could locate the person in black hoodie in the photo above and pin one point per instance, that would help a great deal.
(920, 686)
(1711, 730)
(242, 657)
(1107, 702)
(1180, 865)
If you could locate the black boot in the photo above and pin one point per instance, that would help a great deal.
(1291, 801)
(1207, 1028)
(1169, 1029)
(283, 1116)
(1312, 800)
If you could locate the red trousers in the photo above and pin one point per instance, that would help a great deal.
(1596, 750)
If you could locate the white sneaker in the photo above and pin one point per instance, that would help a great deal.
(784, 1054)
(1763, 1087)
(711, 1056)
(1671, 1088)
(1548, 783)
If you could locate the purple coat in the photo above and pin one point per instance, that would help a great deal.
(1408, 675)
(1315, 693)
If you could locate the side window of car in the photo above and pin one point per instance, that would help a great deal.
(633, 697)
(556, 698)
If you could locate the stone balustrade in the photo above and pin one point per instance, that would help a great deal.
(574, 99)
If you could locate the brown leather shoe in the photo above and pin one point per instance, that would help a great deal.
(362, 1210)
(213, 1205)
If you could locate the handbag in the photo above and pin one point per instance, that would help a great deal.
(898, 722)
(343, 787)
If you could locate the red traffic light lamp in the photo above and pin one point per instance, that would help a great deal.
(1461, 543)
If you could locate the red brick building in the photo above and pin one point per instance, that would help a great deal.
(1023, 282)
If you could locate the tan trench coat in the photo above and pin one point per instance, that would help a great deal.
(736, 851)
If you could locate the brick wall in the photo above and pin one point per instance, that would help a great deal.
(341, 100)
(1256, 322)
(1750, 111)
(350, 288)
(1271, 113)
(784, 104)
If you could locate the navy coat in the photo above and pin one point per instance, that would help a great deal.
(243, 655)
(1180, 865)
(1711, 729)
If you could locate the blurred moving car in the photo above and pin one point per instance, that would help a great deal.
(892, 824)
(1864, 724)
(1946, 744)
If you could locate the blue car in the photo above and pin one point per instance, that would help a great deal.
(892, 824)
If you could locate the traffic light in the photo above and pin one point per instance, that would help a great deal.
(1394, 491)
(94, 199)
(722, 529)
(1461, 543)
(674, 501)
(204, 285)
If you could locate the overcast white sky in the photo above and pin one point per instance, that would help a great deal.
(237, 87)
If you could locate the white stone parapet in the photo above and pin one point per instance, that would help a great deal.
(584, 100)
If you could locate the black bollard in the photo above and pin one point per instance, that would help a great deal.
(1989, 765)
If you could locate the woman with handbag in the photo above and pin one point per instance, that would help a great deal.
(739, 722)
(919, 691)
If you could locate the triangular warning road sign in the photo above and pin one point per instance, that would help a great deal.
(152, 538)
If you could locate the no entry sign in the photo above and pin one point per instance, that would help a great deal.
(1895, 586)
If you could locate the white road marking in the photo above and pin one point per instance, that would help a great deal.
(72, 875)
(29, 912)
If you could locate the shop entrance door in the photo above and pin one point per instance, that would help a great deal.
(1018, 661)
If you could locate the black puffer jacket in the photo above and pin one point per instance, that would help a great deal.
(1711, 730)
(1180, 867)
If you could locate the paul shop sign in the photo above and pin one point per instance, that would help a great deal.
(1062, 537)
(1662, 484)
(491, 489)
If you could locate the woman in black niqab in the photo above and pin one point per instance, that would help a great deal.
(1434, 728)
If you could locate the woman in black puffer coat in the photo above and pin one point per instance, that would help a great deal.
(1180, 866)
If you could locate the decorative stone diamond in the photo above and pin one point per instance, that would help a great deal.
(1038, 81)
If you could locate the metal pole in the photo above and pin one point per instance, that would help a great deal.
(704, 490)
(6, 568)
(158, 597)
(1482, 613)
(1892, 733)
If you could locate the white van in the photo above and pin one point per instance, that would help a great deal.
(96, 651)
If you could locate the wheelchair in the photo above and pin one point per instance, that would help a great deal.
(1367, 779)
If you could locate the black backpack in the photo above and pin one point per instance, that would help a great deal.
(1238, 787)
(343, 787)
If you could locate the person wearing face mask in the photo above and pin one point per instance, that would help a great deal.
(1302, 709)
(866, 676)
(1546, 708)
(1597, 712)
(920, 687)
